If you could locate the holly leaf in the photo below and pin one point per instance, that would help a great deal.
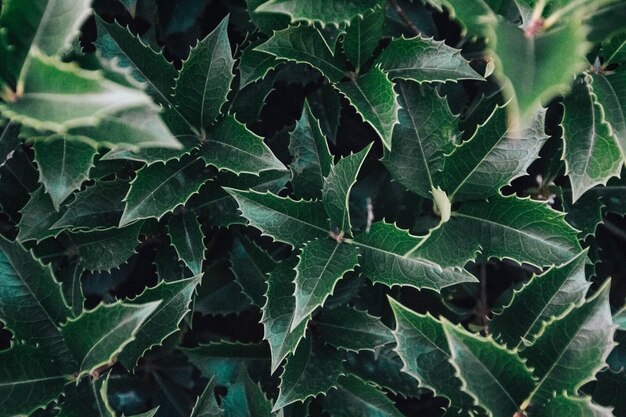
(609, 93)
(102, 250)
(251, 264)
(231, 146)
(313, 369)
(254, 65)
(492, 158)
(28, 385)
(206, 404)
(99, 206)
(306, 45)
(362, 37)
(96, 337)
(495, 377)
(423, 348)
(322, 264)
(38, 217)
(312, 160)
(424, 60)
(373, 97)
(355, 397)
(351, 329)
(64, 163)
(427, 129)
(163, 321)
(591, 153)
(246, 398)
(285, 220)
(87, 398)
(337, 187)
(159, 188)
(188, 240)
(545, 296)
(504, 227)
(387, 256)
(278, 313)
(572, 347)
(574, 407)
(9, 140)
(335, 12)
(204, 80)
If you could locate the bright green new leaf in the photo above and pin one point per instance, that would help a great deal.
(351, 329)
(188, 240)
(333, 12)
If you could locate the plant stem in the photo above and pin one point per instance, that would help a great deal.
(404, 17)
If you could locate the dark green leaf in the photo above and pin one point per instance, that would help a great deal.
(362, 37)
(188, 240)
(38, 217)
(251, 264)
(347, 328)
(355, 397)
(333, 12)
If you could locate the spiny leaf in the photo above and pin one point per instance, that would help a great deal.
(609, 90)
(188, 240)
(304, 44)
(231, 146)
(572, 347)
(174, 298)
(387, 257)
(251, 264)
(573, 407)
(206, 404)
(246, 398)
(313, 369)
(18, 178)
(426, 130)
(64, 163)
(311, 157)
(362, 37)
(337, 187)
(374, 98)
(284, 219)
(254, 65)
(28, 385)
(424, 60)
(590, 150)
(423, 348)
(278, 313)
(545, 296)
(492, 158)
(9, 140)
(160, 188)
(86, 398)
(96, 337)
(497, 379)
(334, 12)
(323, 263)
(504, 227)
(38, 217)
(204, 81)
(351, 329)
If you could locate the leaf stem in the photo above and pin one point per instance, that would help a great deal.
(402, 15)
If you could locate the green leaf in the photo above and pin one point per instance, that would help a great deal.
(245, 398)
(86, 398)
(96, 337)
(609, 90)
(333, 12)
(188, 240)
(492, 158)
(562, 405)
(475, 17)
(312, 160)
(427, 129)
(64, 163)
(278, 313)
(313, 369)
(423, 348)
(362, 37)
(504, 227)
(26, 385)
(551, 59)
(251, 264)
(424, 60)
(174, 298)
(42, 25)
(572, 347)
(590, 150)
(266, 22)
(304, 44)
(63, 98)
(18, 178)
(620, 318)
(496, 378)
(387, 257)
(355, 397)
(206, 405)
(99, 206)
(231, 146)
(351, 329)
(285, 220)
(545, 296)
(375, 100)
(38, 217)
(323, 263)
(204, 81)
(254, 65)
(160, 188)
(9, 140)
(106, 249)
(31, 302)
(337, 187)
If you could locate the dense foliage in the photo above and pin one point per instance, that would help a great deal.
(312, 207)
